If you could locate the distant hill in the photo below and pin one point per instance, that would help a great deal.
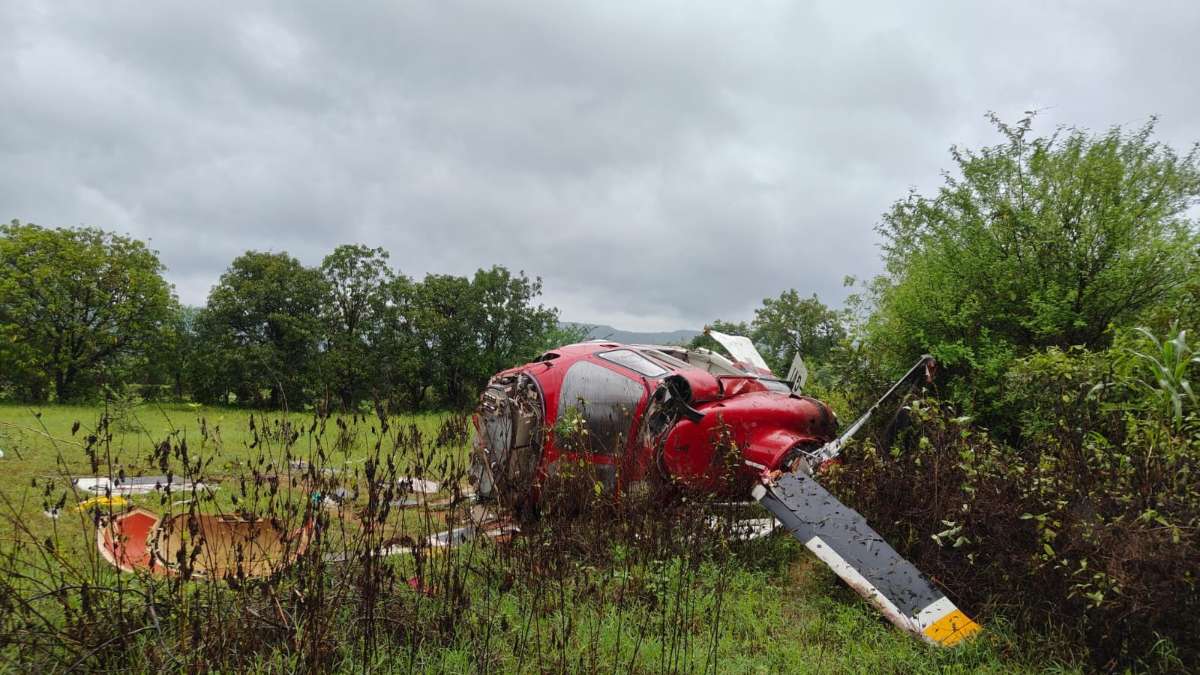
(672, 337)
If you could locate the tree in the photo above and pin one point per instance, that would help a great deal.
(77, 306)
(445, 318)
(790, 325)
(511, 328)
(171, 359)
(1036, 242)
(401, 356)
(357, 278)
(465, 330)
(563, 334)
(261, 328)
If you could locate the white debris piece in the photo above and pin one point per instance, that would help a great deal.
(136, 486)
(410, 484)
(741, 349)
(746, 529)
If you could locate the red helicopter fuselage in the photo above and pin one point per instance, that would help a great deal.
(641, 413)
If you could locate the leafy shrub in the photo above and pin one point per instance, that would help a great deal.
(1087, 522)
(1158, 374)
(1037, 242)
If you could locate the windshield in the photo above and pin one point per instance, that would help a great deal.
(635, 362)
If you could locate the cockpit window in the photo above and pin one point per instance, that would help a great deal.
(635, 362)
(664, 358)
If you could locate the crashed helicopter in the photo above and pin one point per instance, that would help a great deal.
(664, 413)
(638, 416)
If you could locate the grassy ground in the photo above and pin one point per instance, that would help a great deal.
(44, 448)
(763, 606)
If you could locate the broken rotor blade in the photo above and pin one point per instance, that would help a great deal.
(843, 540)
(834, 448)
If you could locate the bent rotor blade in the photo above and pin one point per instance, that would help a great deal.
(834, 448)
(841, 538)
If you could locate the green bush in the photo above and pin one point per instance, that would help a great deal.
(1088, 523)
(1033, 243)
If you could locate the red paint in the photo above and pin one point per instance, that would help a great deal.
(765, 425)
(125, 542)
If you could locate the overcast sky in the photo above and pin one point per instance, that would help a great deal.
(657, 164)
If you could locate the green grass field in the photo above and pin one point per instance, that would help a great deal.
(767, 607)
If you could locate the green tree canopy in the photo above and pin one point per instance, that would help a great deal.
(789, 325)
(399, 352)
(468, 329)
(563, 334)
(512, 329)
(76, 305)
(1035, 242)
(445, 317)
(357, 279)
(261, 330)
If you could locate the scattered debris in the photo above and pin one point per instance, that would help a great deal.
(137, 486)
(209, 546)
(415, 584)
(419, 485)
(109, 502)
(746, 529)
(337, 496)
(481, 522)
(497, 530)
(301, 465)
(412, 502)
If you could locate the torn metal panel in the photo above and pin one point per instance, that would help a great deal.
(797, 374)
(742, 350)
(508, 439)
(200, 545)
(843, 540)
(124, 541)
(422, 501)
(481, 523)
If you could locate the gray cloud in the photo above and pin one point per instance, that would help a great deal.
(658, 165)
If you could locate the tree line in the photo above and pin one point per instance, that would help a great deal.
(86, 313)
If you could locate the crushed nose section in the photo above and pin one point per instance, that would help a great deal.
(842, 539)
(508, 428)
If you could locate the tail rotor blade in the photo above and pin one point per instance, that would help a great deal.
(842, 539)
